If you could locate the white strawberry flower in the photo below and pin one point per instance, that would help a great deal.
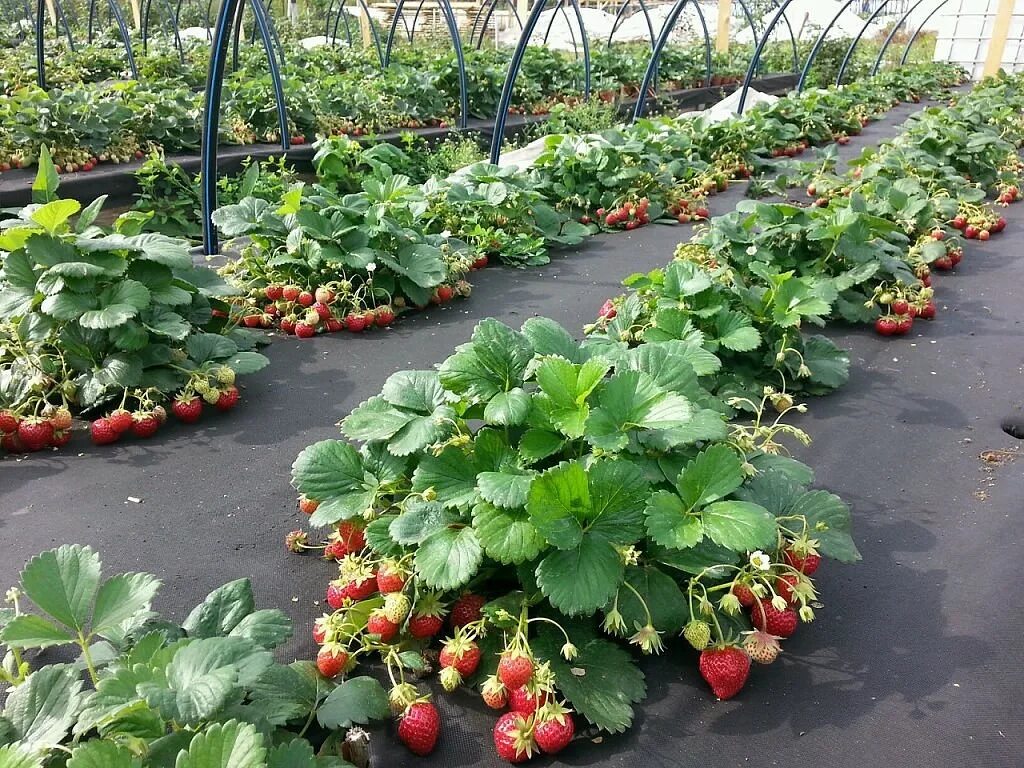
(760, 560)
(371, 267)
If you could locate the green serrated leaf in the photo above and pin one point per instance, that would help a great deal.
(580, 580)
(356, 701)
(739, 525)
(828, 521)
(63, 583)
(448, 558)
(714, 473)
(507, 535)
(221, 610)
(102, 754)
(121, 598)
(44, 707)
(225, 745)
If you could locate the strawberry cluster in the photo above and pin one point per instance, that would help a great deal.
(775, 596)
(630, 215)
(19, 433)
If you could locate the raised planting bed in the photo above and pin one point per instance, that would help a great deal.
(118, 182)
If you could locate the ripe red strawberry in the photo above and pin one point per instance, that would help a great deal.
(514, 669)
(320, 630)
(464, 656)
(390, 577)
(900, 307)
(927, 311)
(35, 433)
(355, 322)
(466, 610)
(807, 563)
(187, 409)
(702, 213)
(228, 399)
(9, 421)
(273, 291)
(1000, 225)
(322, 310)
(305, 299)
(984, 234)
(333, 325)
(384, 316)
(331, 660)
(886, 325)
(334, 550)
(336, 595)
(445, 293)
(288, 324)
(512, 738)
(554, 732)
(525, 701)
(305, 330)
(744, 595)
(725, 670)
(768, 619)
(307, 506)
(351, 535)
(361, 589)
(938, 234)
(252, 321)
(607, 310)
(290, 292)
(903, 324)
(422, 626)
(145, 424)
(61, 437)
(12, 443)
(971, 232)
(959, 222)
(784, 587)
(103, 432)
(943, 263)
(419, 728)
(379, 624)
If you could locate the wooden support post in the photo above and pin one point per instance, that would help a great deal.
(364, 28)
(136, 14)
(724, 17)
(997, 44)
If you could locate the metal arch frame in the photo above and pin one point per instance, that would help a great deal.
(515, 64)
(666, 30)
(211, 114)
(792, 38)
(348, 32)
(40, 30)
(174, 25)
(583, 39)
(126, 37)
(892, 34)
(274, 44)
(816, 48)
(206, 17)
(910, 43)
(755, 60)
(619, 19)
(333, 33)
(849, 52)
(453, 32)
(491, 8)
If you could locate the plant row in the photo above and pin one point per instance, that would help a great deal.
(369, 237)
(327, 91)
(544, 498)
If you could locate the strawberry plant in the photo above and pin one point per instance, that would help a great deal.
(590, 491)
(150, 689)
(91, 319)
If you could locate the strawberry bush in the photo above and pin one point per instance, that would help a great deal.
(92, 319)
(155, 692)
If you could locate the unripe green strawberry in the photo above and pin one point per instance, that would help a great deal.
(225, 375)
(450, 679)
(698, 634)
(396, 607)
(211, 396)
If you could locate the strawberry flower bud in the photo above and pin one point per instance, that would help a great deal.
(647, 638)
(613, 622)
(569, 652)
(806, 613)
(779, 603)
(729, 604)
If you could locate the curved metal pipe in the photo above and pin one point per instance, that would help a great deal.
(817, 46)
(266, 33)
(171, 16)
(62, 19)
(348, 26)
(853, 45)
(756, 58)
(490, 12)
(910, 43)
(619, 19)
(892, 34)
(501, 117)
(453, 32)
(792, 37)
(666, 31)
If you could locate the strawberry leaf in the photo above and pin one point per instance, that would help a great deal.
(449, 557)
(225, 745)
(507, 535)
(602, 683)
(356, 701)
